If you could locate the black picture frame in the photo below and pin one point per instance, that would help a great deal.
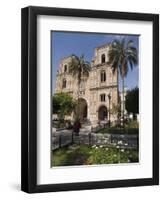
(29, 99)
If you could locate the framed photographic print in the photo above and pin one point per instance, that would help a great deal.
(90, 99)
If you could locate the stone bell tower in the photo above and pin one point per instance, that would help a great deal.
(98, 93)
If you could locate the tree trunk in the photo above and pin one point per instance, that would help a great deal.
(78, 96)
(123, 104)
(119, 111)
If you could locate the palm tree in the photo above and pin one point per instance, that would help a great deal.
(79, 68)
(122, 56)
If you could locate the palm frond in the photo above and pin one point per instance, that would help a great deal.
(133, 58)
(78, 66)
(123, 43)
(122, 56)
(129, 43)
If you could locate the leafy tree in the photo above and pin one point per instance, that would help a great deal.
(116, 110)
(122, 56)
(132, 101)
(63, 104)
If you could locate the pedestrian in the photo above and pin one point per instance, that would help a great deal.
(77, 126)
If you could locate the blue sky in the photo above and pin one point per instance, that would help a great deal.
(67, 43)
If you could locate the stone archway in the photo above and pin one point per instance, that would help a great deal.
(83, 109)
(102, 113)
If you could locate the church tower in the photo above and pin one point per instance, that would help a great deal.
(98, 93)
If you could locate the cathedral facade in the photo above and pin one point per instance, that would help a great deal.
(98, 93)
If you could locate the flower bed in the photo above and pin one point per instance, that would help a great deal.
(92, 155)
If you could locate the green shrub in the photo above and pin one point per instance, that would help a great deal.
(117, 130)
(132, 124)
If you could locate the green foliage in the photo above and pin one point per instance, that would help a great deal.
(63, 104)
(79, 67)
(86, 155)
(132, 124)
(132, 101)
(118, 130)
(123, 55)
(116, 110)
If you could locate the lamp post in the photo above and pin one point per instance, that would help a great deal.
(109, 97)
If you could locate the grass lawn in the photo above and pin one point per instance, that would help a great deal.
(86, 155)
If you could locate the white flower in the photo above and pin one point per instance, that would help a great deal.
(122, 150)
(101, 146)
(115, 155)
(120, 142)
(126, 144)
(96, 147)
(106, 149)
(117, 147)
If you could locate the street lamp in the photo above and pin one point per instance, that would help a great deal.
(109, 97)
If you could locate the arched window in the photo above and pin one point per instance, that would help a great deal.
(64, 83)
(103, 76)
(103, 58)
(65, 68)
(102, 97)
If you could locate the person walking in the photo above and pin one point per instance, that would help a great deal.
(77, 126)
